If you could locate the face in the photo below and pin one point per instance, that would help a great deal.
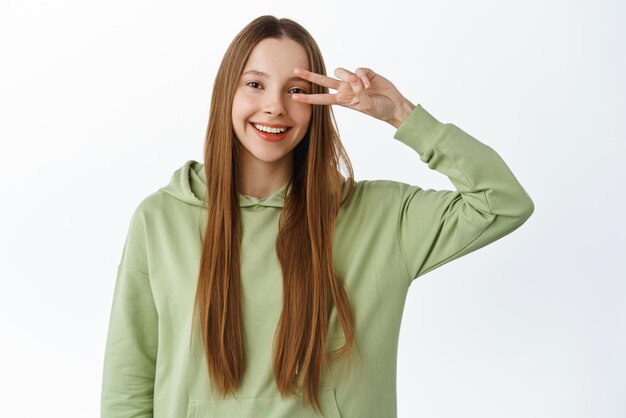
(265, 99)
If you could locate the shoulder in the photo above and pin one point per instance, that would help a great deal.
(377, 195)
(381, 186)
(367, 190)
(151, 204)
(151, 209)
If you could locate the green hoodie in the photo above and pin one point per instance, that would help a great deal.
(387, 235)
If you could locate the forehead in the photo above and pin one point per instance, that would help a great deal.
(275, 59)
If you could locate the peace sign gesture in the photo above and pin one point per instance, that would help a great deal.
(363, 90)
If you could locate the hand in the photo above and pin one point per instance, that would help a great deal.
(364, 90)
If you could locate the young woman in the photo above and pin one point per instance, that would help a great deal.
(248, 282)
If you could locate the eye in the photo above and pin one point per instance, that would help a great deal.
(256, 83)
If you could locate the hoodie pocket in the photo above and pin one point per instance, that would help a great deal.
(272, 407)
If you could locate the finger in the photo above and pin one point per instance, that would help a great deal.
(357, 84)
(364, 100)
(343, 74)
(316, 99)
(364, 74)
(320, 79)
(355, 81)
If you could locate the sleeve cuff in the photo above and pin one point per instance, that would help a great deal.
(419, 129)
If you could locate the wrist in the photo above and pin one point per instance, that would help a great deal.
(403, 110)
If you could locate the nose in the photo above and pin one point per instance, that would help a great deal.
(275, 103)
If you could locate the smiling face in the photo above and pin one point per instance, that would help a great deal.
(265, 99)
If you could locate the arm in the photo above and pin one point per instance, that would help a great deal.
(130, 355)
(436, 227)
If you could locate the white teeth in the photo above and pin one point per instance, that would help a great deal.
(270, 130)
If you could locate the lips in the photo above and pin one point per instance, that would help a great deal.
(279, 126)
(270, 137)
(271, 125)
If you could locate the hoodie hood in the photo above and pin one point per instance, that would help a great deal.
(188, 184)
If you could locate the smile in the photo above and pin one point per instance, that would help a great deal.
(270, 128)
(270, 136)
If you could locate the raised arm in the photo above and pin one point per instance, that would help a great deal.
(434, 227)
(438, 226)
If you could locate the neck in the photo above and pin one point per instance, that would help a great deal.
(260, 179)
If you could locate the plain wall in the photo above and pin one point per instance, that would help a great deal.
(101, 101)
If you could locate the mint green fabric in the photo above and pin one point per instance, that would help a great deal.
(389, 234)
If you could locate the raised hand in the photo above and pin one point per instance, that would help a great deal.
(363, 90)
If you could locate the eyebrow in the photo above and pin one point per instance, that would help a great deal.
(262, 74)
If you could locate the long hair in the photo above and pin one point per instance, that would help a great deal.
(311, 287)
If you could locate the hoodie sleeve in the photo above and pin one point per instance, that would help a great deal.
(435, 227)
(131, 347)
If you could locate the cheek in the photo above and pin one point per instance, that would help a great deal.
(242, 105)
(307, 120)
(302, 113)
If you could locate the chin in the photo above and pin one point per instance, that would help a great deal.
(269, 158)
(264, 155)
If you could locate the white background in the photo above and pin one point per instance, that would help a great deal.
(101, 101)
